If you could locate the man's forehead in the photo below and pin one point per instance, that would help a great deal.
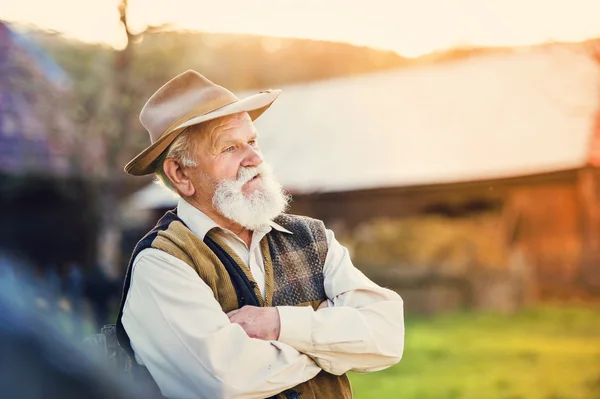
(229, 127)
(230, 119)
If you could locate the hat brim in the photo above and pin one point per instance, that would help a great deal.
(255, 105)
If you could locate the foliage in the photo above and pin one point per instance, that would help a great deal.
(237, 61)
(107, 114)
(541, 353)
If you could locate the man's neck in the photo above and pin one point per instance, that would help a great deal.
(243, 233)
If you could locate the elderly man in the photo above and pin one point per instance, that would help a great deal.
(228, 296)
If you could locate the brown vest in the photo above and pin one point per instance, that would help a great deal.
(293, 277)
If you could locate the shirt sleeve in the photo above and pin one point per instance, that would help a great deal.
(362, 332)
(180, 333)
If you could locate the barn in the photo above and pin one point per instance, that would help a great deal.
(511, 134)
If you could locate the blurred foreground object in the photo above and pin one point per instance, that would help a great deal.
(37, 360)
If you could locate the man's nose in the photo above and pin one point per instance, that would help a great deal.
(253, 157)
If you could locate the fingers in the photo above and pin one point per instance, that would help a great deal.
(258, 322)
(233, 312)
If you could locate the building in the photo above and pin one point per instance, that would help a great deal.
(40, 192)
(511, 132)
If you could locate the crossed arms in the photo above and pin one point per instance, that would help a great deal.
(194, 350)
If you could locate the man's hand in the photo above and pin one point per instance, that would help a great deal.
(258, 322)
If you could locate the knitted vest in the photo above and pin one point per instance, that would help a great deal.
(293, 277)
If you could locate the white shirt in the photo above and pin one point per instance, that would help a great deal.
(179, 332)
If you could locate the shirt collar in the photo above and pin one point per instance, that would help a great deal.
(200, 224)
(279, 228)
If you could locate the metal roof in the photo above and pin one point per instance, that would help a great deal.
(488, 116)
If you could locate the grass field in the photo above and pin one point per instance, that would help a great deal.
(538, 353)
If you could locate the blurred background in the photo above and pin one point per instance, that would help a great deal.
(453, 147)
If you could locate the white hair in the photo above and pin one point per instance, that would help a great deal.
(181, 150)
(256, 209)
(251, 211)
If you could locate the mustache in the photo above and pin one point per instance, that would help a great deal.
(247, 173)
(256, 209)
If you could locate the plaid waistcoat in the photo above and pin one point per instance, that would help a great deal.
(293, 277)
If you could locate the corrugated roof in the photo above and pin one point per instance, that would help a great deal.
(484, 117)
(489, 116)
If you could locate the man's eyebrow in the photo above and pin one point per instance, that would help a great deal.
(226, 143)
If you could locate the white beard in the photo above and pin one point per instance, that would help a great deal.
(254, 210)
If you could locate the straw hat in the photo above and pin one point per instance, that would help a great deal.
(189, 99)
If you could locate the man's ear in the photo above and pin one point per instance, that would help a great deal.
(179, 177)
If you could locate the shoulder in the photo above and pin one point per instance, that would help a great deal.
(169, 227)
(152, 263)
(169, 237)
(163, 224)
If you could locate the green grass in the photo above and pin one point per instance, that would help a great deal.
(541, 353)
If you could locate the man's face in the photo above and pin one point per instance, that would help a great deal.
(231, 175)
(227, 145)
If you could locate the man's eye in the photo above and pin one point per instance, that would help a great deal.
(229, 149)
(252, 142)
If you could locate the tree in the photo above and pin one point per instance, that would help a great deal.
(107, 98)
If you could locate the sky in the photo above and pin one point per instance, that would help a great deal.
(411, 28)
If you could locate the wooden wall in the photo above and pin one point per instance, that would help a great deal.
(550, 221)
